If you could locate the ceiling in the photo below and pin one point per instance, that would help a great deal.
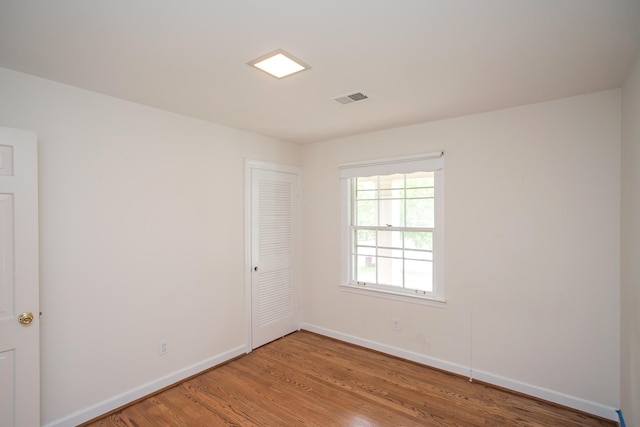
(417, 60)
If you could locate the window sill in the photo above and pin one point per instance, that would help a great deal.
(396, 296)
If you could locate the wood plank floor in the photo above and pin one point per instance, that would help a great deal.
(307, 379)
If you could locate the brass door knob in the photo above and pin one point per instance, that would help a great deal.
(25, 318)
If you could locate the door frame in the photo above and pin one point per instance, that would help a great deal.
(249, 166)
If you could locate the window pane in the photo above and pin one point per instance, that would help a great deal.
(420, 213)
(419, 255)
(418, 240)
(419, 275)
(423, 192)
(420, 179)
(366, 242)
(367, 212)
(390, 239)
(390, 253)
(365, 250)
(391, 213)
(391, 181)
(367, 194)
(367, 183)
(366, 269)
(365, 237)
(392, 194)
(390, 271)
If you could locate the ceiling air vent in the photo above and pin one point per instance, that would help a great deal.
(352, 97)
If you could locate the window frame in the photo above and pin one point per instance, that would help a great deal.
(430, 162)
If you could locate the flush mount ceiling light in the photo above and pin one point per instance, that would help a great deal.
(279, 64)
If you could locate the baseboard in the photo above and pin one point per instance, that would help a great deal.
(573, 402)
(115, 402)
(394, 351)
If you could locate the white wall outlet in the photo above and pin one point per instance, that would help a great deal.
(163, 349)
(395, 324)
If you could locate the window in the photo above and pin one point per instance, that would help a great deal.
(393, 226)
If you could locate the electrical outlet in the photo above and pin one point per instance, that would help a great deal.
(163, 349)
(395, 324)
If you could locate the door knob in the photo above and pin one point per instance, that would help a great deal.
(25, 318)
(255, 268)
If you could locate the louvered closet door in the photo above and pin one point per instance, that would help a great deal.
(274, 215)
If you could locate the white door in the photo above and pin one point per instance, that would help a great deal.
(19, 307)
(274, 225)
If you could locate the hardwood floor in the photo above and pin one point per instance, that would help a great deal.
(307, 379)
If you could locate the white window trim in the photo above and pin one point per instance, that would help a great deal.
(429, 161)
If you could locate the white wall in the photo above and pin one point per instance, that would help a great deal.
(142, 239)
(532, 249)
(630, 293)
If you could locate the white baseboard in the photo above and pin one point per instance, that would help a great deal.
(520, 387)
(394, 351)
(573, 402)
(115, 402)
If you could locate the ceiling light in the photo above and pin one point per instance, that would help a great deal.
(279, 64)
